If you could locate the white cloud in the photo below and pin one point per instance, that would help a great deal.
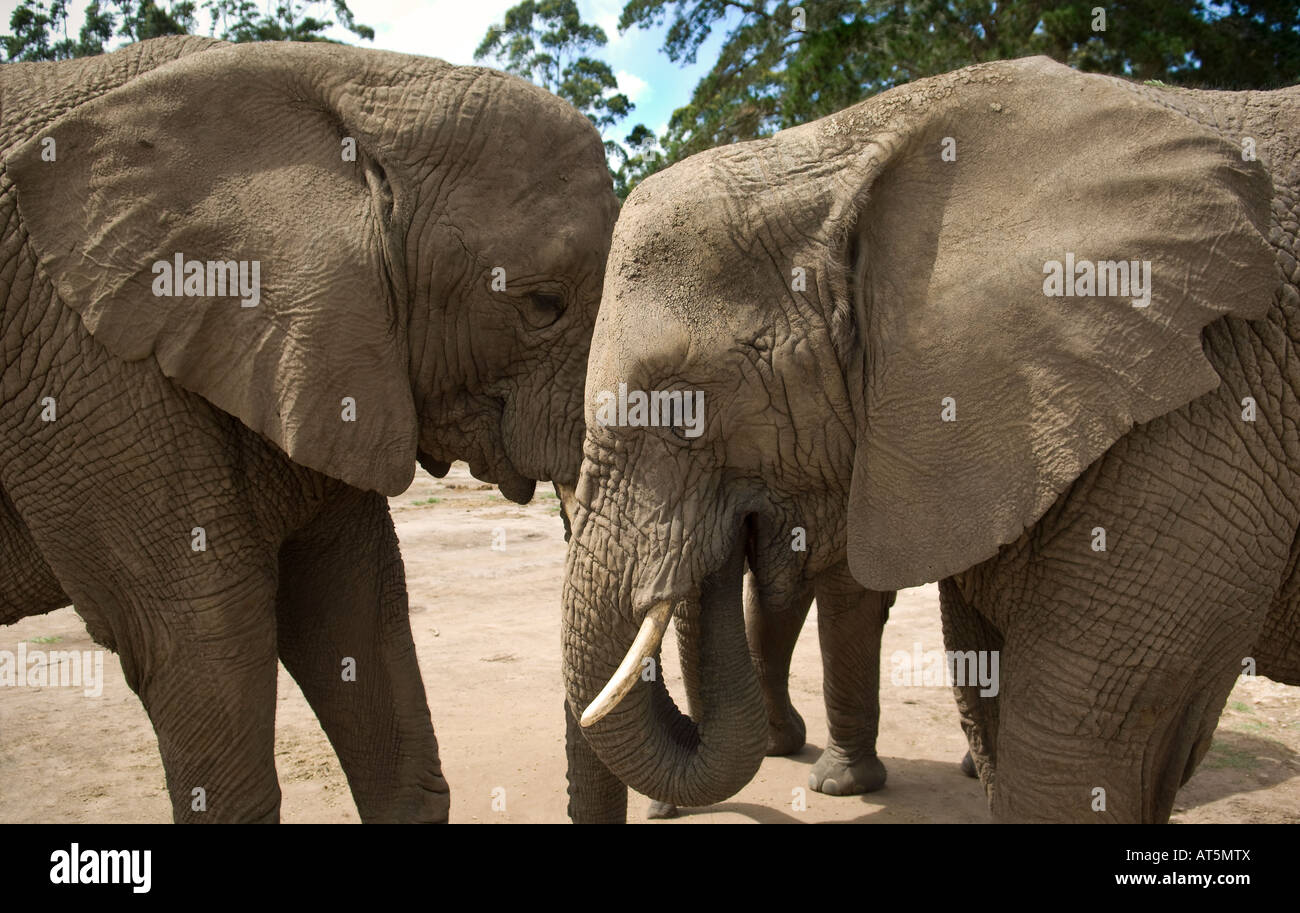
(605, 14)
(633, 86)
(609, 24)
(450, 29)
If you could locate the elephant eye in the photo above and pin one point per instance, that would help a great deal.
(543, 309)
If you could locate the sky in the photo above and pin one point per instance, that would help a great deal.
(452, 29)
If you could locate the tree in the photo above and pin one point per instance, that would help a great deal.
(33, 24)
(240, 21)
(771, 73)
(36, 27)
(145, 19)
(547, 43)
(640, 156)
(1251, 45)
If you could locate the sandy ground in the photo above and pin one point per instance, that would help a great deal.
(486, 624)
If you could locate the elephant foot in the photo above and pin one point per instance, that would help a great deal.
(659, 810)
(968, 766)
(788, 735)
(835, 775)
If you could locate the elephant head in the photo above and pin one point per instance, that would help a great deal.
(421, 248)
(835, 296)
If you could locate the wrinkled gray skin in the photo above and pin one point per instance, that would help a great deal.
(824, 404)
(179, 413)
(850, 621)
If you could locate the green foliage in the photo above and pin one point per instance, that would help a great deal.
(32, 23)
(640, 156)
(141, 20)
(40, 29)
(769, 75)
(546, 42)
(240, 20)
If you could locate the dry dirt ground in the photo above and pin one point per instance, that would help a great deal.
(486, 625)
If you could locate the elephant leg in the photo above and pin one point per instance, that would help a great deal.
(28, 586)
(1122, 756)
(660, 810)
(596, 796)
(194, 627)
(850, 621)
(345, 637)
(206, 675)
(964, 630)
(1277, 649)
(772, 632)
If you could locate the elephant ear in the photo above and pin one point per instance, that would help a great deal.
(951, 260)
(235, 155)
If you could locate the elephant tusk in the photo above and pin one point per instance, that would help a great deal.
(646, 644)
(568, 498)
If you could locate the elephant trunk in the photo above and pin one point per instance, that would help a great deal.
(643, 738)
(596, 796)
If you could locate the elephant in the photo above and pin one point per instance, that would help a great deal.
(246, 288)
(870, 319)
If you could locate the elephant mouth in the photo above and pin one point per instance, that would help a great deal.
(436, 468)
(512, 484)
(494, 467)
(502, 473)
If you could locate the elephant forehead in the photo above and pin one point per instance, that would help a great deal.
(670, 224)
(642, 338)
(689, 242)
(535, 169)
(533, 227)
